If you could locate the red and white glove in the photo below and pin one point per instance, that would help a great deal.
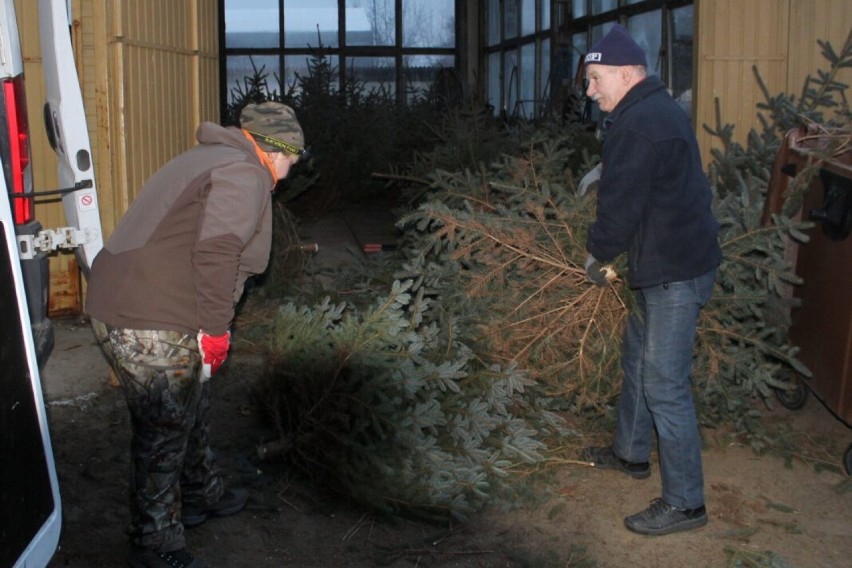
(214, 351)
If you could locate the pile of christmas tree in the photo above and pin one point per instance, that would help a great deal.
(433, 393)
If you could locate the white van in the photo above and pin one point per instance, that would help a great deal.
(30, 506)
(30, 511)
(65, 125)
(18, 176)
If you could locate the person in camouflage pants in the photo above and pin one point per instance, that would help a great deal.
(161, 300)
(172, 459)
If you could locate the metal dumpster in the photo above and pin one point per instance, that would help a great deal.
(822, 324)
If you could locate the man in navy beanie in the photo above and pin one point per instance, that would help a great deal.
(654, 203)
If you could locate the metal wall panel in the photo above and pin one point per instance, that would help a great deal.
(207, 73)
(811, 20)
(778, 37)
(734, 37)
(152, 38)
(164, 56)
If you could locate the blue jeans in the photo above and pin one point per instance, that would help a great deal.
(656, 360)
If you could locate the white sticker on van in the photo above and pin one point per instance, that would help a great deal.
(87, 202)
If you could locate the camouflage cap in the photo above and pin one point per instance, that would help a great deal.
(274, 127)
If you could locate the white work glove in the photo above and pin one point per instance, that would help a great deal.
(597, 273)
(590, 178)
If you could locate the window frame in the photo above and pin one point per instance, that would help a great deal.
(511, 46)
(562, 54)
(342, 52)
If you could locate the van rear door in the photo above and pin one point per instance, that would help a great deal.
(65, 120)
(30, 510)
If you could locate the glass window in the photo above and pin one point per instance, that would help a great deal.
(510, 80)
(309, 23)
(432, 61)
(526, 106)
(646, 30)
(601, 6)
(268, 37)
(581, 46)
(296, 66)
(377, 74)
(251, 23)
(370, 23)
(519, 66)
(578, 8)
(681, 58)
(510, 19)
(428, 23)
(544, 79)
(528, 17)
(493, 22)
(493, 72)
(422, 71)
(241, 69)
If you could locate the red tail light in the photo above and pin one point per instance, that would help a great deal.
(16, 104)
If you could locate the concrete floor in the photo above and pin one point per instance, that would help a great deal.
(357, 230)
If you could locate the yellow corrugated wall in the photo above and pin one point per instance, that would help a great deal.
(149, 75)
(811, 21)
(160, 81)
(778, 37)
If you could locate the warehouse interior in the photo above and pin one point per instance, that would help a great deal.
(435, 120)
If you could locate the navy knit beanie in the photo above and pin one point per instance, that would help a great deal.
(616, 48)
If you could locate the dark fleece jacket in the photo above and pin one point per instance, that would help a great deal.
(654, 200)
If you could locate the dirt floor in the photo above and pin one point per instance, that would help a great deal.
(797, 511)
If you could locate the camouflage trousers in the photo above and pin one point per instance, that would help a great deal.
(171, 460)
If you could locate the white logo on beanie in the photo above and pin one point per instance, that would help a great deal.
(592, 57)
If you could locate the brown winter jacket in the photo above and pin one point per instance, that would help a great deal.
(180, 256)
